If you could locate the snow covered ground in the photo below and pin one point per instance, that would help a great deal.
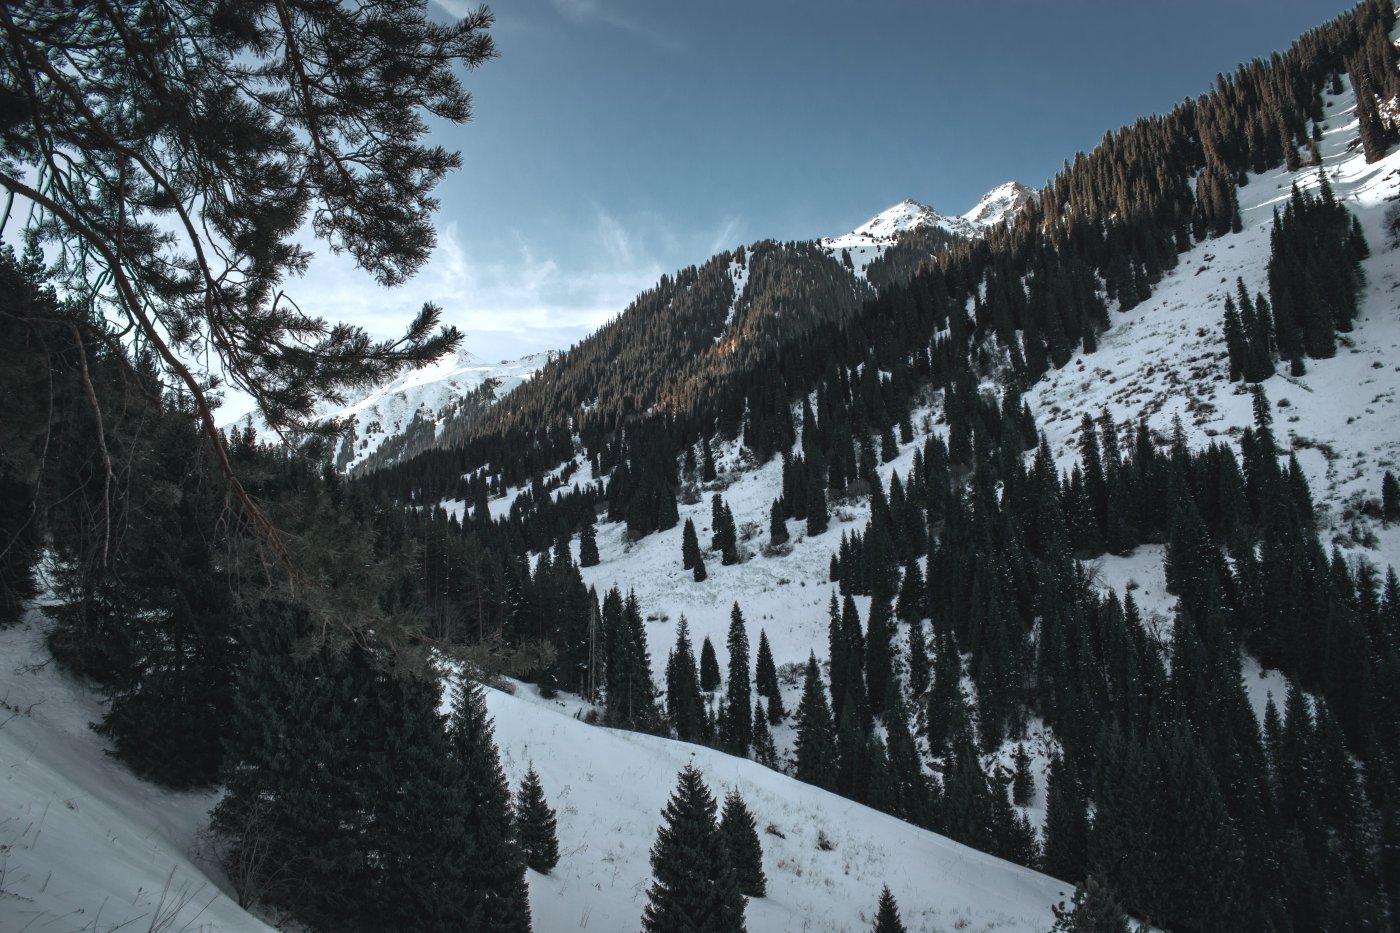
(609, 788)
(86, 846)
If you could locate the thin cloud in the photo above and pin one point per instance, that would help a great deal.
(593, 12)
(728, 236)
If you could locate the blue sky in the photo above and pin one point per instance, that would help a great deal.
(615, 141)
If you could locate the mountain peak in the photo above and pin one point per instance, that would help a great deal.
(1000, 204)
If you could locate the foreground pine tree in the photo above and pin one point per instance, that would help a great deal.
(694, 888)
(535, 825)
(502, 902)
(740, 834)
(887, 915)
(348, 803)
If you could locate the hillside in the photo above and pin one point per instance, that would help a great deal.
(84, 845)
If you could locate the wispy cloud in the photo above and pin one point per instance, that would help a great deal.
(595, 12)
(727, 237)
(527, 297)
(457, 8)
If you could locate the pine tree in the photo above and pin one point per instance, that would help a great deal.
(879, 660)
(887, 914)
(684, 707)
(690, 546)
(535, 825)
(1066, 823)
(777, 525)
(709, 667)
(1093, 910)
(816, 739)
(1390, 497)
(588, 546)
(503, 900)
(765, 752)
(694, 887)
(735, 727)
(1023, 782)
(740, 834)
(765, 678)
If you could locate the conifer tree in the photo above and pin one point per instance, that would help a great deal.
(918, 660)
(588, 546)
(683, 704)
(503, 901)
(690, 546)
(740, 834)
(765, 678)
(816, 740)
(1022, 782)
(1066, 823)
(694, 887)
(709, 667)
(817, 516)
(735, 727)
(1093, 910)
(887, 914)
(1390, 497)
(765, 752)
(879, 661)
(777, 524)
(535, 825)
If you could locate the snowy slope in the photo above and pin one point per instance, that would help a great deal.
(1166, 357)
(609, 788)
(867, 242)
(388, 410)
(84, 844)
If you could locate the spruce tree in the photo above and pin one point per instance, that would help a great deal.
(694, 887)
(816, 739)
(1023, 782)
(735, 726)
(535, 825)
(740, 834)
(588, 546)
(709, 667)
(765, 678)
(777, 525)
(1390, 497)
(690, 546)
(1093, 910)
(887, 914)
(502, 902)
(1066, 824)
(765, 752)
(683, 704)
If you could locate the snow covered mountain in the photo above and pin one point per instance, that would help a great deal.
(867, 242)
(426, 394)
(1163, 359)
